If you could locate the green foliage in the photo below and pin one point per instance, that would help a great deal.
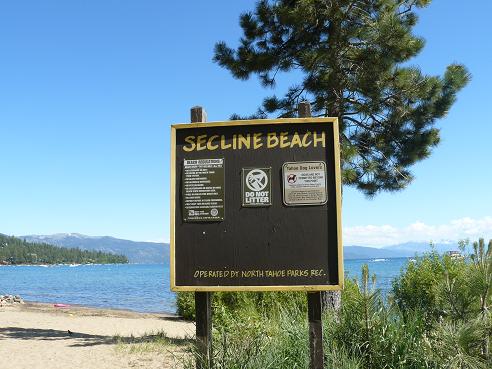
(437, 317)
(252, 342)
(446, 287)
(185, 305)
(453, 296)
(374, 332)
(229, 303)
(352, 61)
(16, 251)
(482, 273)
(460, 344)
(417, 287)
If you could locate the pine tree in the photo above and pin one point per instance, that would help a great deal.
(353, 56)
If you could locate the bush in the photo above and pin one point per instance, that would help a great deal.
(185, 305)
(234, 303)
(417, 287)
(443, 287)
(374, 332)
(460, 344)
(251, 340)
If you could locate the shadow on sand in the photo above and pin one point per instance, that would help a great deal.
(83, 339)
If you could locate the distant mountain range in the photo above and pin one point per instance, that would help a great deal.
(408, 249)
(136, 252)
(158, 253)
(363, 252)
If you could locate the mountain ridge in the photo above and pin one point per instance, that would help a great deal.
(137, 252)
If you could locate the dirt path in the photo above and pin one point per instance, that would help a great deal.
(35, 336)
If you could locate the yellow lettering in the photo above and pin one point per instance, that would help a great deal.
(257, 140)
(272, 140)
(223, 144)
(191, 141)
(284, 136)
(296, 140)
(320, 139)
(209, 143)
(244, 140)
(305, 142)
(201, 142)
(254, 141)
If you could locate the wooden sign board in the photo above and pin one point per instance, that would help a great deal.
(256, 206)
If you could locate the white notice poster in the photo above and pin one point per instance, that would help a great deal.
(304, 183)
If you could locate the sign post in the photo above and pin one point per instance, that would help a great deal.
(256, 206)
(316, 355)
(203, 300)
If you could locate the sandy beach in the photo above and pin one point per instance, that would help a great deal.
(36, 336)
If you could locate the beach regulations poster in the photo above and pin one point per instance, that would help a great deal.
(203, 190)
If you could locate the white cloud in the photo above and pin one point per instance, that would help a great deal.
(383, 235)
(158, 240)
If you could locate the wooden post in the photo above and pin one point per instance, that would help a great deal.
(198, 115)
(304, 109)
(203, 312)
(316, 356)
(203, 300)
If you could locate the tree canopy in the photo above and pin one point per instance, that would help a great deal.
(353, 56)
(17, 251)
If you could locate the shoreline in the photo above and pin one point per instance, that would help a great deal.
(95, 310)
(63, 264)
(33, 303)
(102, 308)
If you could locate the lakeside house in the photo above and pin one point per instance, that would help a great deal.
(454, 254)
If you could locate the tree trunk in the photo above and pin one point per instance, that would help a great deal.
(330, 300)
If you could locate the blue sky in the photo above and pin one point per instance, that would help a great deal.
(88, 91)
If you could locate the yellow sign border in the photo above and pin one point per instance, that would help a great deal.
(338, 195)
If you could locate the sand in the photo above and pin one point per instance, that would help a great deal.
(35, 336)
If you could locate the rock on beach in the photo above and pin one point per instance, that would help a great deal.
(10, 300)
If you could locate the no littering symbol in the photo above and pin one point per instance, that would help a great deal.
(256, 180)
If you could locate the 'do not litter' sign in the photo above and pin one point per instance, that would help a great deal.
(256, 186)
(255, 205)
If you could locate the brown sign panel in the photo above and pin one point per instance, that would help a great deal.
(292, 241)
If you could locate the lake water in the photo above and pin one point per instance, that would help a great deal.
(143, 288)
